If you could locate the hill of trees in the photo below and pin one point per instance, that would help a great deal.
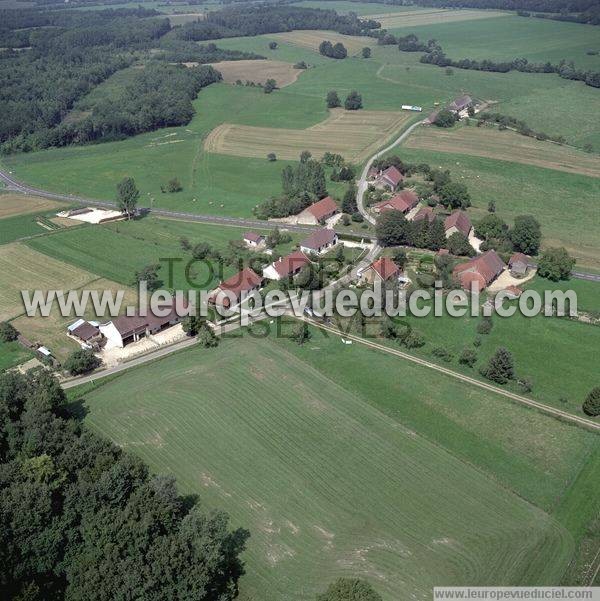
(81, 519)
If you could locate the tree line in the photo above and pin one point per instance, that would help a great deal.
(81, 519)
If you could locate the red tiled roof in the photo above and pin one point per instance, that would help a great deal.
(521, 258)
(318, 239)
(253, 237)
(244, 281)
(469, 279)
(425, 213)
(403, 201)
(392, 175)
(385, 268)
(323, 208)
(488, 265)
(291, 264)
(459, 220)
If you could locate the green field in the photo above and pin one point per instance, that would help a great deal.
(328, 479)
(567, 205)
(11, 354)
(116, 251)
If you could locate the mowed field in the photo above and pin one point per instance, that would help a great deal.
(394, 20)
(505, 145)
(311, 38)
(18, 204)
(258, 71)
(353, 134)
(327, 484)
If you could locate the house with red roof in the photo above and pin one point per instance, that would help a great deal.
(318, 212)
(458, 222)
(319, 241)
(478, 273)
(286, 267)
(235, 290)
(382, 270)
(254, 240)
(424, 213)
(404, 201)
(389, 178)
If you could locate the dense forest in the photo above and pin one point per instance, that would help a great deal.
(257, 20)
(81, 519)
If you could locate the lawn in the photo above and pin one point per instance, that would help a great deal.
(11, 354)
(329, 485)
(566, 204)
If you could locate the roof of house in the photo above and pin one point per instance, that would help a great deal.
(432, 117)
(425, 213)
(323, 208)
(472, 279)
(253, 237)
(521, 258)
(85, 331)
(458, 104)
(318, 239)
(403, 201)
(393, 175)
(460, 220)
(488, 265)
(243, 281)
(285, 266)
(514, 290)
(127, 325)
(385, 268)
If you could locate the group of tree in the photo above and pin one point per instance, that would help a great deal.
(393, 229)
(8, 332)
(525, 236)
(404, 335)
(353, 101)
(555, 264)
(81, 519)
(445, 118)
(338, 50)
(349, 589)
(250, 20)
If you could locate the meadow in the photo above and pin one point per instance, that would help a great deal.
(565, 204)
(330, 485)
(12, 354)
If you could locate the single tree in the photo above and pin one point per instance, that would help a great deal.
(8, 332)
(333, 100)
(174, 185)
(272, 45)
(400, 257)
(555, 264)
(414, 339)
(301, 333)
(270, 85)
(206, 336)
(526, 234)
(149, 274)
(305, 156)
(349, 589)
(468, 357)
(445, 118)
(492, 206)
(491, 226)
(353, 101)
(485, 325)
(500, 368)
(81, 362)
(191, 324)
(349, 200)
(591, 405)
(127, 196)
(392, 228)
(272, 157)
(366, 52)
(458, 244)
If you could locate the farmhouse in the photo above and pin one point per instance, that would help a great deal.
(404, 201)
(460, 104)
(519, 265)
(286, 267)
(254, 240)
(480, 272)
(318, 212)
(383, 270)
(85, 332)
(319, 241)
(425, 213)
(458, 222)
(238, 287)
(389, 179)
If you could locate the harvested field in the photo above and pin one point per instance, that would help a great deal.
(505, 145)
(432, 17)
(18, 204)
(35, 271)
(181, 19)
(258, 71)
(311, 39)
(353, 134)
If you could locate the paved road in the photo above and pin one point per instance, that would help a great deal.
(591, 277)
(362, 182)
(18, 186)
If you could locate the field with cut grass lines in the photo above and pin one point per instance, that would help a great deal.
(505, 145)
(19, 204)
(394, 20)
(326, 484)
(353, 134)
(312, 38)
(258, 71)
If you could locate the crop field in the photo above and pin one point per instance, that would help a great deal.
(565, 204)
(19, 204)
(311, 38)
(258, 71)
(393, 20)
(331, 486)
(505, 145)
(22, 268)
(353, 134)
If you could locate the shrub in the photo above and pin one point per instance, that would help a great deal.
(591, 405)
(468, 357)
(81, 362)
(272, 156)
(443, 353)
(485, 326)
(500, 368)
(8, 332)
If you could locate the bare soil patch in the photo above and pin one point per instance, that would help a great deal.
(258, 71)
(19, 204)
(353, 134)
(506, 145)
